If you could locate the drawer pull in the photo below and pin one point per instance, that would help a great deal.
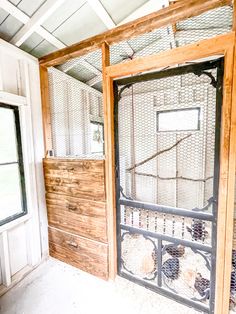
(70, 169)
(71, 243)
(72, 208)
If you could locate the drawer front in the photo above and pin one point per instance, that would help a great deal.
(87, 255)
(80, 217)
(79, 179)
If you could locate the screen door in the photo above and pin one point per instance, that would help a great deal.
(167, 132)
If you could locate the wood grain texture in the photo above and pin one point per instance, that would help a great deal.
(231, 180)
(179, 11)
(108, 105)
(83, 179)
(224, 210)
(80, 217)
(87, 255)
(202, 49)
(47, 129)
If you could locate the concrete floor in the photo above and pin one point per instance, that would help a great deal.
(57, 288)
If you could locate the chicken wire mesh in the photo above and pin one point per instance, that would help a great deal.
(212, 23)
(167, 146)
(76, 117)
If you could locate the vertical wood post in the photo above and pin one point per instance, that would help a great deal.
(226, 190)
(45, 108)
(231, 182)
(108, 101)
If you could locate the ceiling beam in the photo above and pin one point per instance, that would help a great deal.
(102, 13)
(23, 18)
(145, 9)
(36, 20)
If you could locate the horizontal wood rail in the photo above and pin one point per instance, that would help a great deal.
(202, 49)
(178, 11)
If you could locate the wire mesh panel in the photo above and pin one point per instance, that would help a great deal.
(206, 25)
(76, 117)
(167, 157)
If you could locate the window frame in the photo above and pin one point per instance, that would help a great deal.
(20, 163)
(177, 110)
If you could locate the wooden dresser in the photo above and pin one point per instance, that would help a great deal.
(76, 205)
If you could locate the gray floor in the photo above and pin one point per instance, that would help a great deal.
(57, 288)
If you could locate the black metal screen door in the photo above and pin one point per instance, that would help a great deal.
(167, 129)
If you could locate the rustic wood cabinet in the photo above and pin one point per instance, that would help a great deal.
(76, 206)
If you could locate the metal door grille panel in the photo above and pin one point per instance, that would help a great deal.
(167, 181)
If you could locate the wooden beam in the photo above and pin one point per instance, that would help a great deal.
(230, 68)
(41, 15)
(23, 18)
(44, 83)
(224, 208)
(167, 16)
(202, 49)
(108, 105)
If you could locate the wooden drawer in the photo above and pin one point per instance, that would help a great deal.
(83, 179)
(87, 255)
(81, 217)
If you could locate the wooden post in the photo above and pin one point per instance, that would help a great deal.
(108, 102)
(231, 180)
(46, 108)
(226, 188)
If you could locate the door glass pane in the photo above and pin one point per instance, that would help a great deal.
(8, 145)
(10, 191)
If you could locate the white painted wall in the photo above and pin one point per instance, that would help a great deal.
(23, 242)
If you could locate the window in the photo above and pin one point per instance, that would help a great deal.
(12, 183)
(97, 138)
(178, 120)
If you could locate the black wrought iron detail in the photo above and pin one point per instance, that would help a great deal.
(213, 80)
(122, 89)
(123, 194)
(210, 201)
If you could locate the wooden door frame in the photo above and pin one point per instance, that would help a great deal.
(223, 45)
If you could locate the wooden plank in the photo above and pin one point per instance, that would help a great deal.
(205, 48)
(78, 178)
(77, 205)
(167, 16)
(108, 105)
(84, 189)
(224, 209)
(74, 166)
(231, 184)
(85, 254)
(69, 219)
(47, 129)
